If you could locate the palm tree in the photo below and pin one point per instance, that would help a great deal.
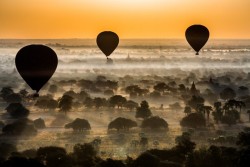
(217, 113)
(240, 105)
(208, 109)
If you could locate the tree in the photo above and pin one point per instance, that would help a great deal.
(187, 110)
(88, 102)
(184, 143)
(131, 105)
(99, 102)
(79, 125)
(195, 100)
(84, 154)
(13, 98)
(108, 92)
(227, 119)
(147, 160)
(17, 110)
(230, 117)
(208, 110)
(143, 111)
(122, 124)
(175, 106)
(217, 113)
(193, 120)
(46, 103)
(248, 111)
(52, 104)
(182, 88)
(154, 123)
(161, 87)
(155, 94)
(111, 163)
(82, 96)
(204, 109)
(243, 139)
(6, 149)
(53, 156)
(227, 93)
(6, 91)
(117, 100)
(23, 93)
(65, 103)
(20, 127)
(39, 123)
(53, 89)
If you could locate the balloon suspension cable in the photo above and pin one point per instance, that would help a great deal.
(197, 53)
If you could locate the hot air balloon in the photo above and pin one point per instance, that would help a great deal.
(197, 36)
(36, 64)
(107, 41)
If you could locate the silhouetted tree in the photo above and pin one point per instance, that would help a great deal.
(6, 149)
(111, 163)
(6, 91)
(117, 100)
(122, 124)
(53, 156)
(154, 123)
(13, 98)
(72, 94)
(195, 100)
(131, 105)
(175, 106)
(23, 92)
(108, 92)
(99, 102)
(243, 139)
(79, 125)
(227, 93)
(187, 110)
(39, 123)
(248, 111)
(52, 104)
(82, 96)
(217, 113)
(88, 102)
(16, 161)
(143, 111)
(47, 103)
(184, 143)
(84, 154)
(147, 160)
(65, 103)
(53, 89)
(161, 87)
(17, 110)
(155, 95)
(193, 120)
(20, 127)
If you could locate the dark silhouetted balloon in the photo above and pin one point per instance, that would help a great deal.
(107, 41)
(36, 64)
(197, 36)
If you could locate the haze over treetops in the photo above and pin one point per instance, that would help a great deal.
(128, 18)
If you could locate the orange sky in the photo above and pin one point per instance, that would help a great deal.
(128, 18)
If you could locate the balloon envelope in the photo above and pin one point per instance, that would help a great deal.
(107, 41)
(36, 64)
(197, 36)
